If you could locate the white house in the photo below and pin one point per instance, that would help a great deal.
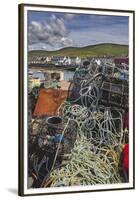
(78, 61)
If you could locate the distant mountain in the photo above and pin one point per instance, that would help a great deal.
(87, 51)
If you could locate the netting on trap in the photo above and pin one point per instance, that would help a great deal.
(114, 94)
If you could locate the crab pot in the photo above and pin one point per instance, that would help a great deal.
(114, 95)
(55, 125)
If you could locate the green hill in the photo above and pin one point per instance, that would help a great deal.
(88, 51)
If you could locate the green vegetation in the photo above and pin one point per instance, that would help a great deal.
(88, 51)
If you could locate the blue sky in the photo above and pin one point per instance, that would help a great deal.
(52, 31)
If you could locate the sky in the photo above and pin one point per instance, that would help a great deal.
(52, 31)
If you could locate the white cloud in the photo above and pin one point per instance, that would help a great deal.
(48, 34)
(69, 16)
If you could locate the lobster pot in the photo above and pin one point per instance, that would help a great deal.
(55, 125)
(114, 94)
(70, 136)
(108, 70)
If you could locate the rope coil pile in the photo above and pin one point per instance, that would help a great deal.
(96, 152)
(98, 135)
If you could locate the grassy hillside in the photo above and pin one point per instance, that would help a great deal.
(88, 51)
